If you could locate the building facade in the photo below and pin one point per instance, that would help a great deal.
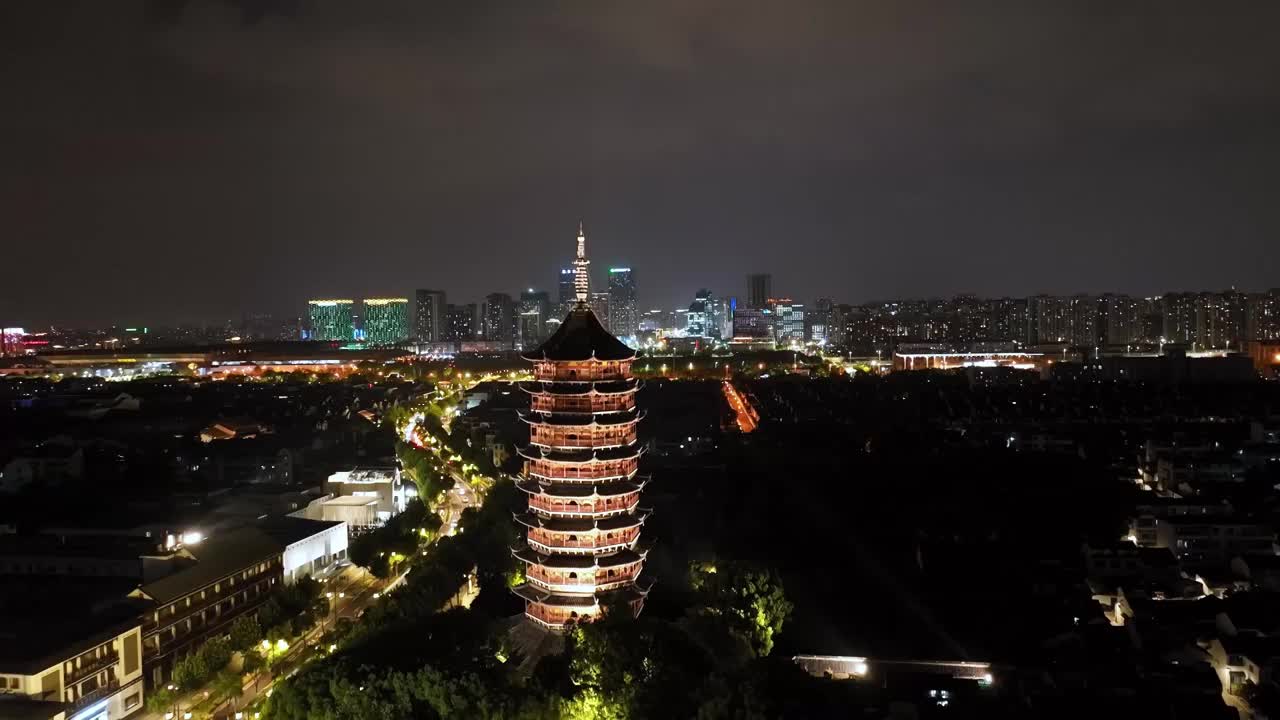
(332, 320)
(759, 290)
(624, 317)
(583, 548)
(386, 320)
(430, 309)
(462, 324)
(499, 319)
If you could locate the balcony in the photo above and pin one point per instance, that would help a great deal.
(584, 582)
(586, 508)
(92, 666)
(609, 470)
(584, 439)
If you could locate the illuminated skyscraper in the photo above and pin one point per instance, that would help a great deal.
(430, 315)
(535, 311)
(331, 320)
(499, 318)
(386, 320)
(624, 319)
(582, 547)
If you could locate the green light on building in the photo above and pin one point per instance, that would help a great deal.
(386, 320)
(331, 320)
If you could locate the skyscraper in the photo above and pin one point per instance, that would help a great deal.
(759, 290)
(499, 318)
(535, 311)
(331, 320)
(699, 314)
(565, 293)
(386, 320)
(624, 318)
(599, 302)
(429, 318)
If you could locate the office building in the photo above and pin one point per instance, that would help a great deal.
(624, 319)
(752, 324)
(699, 316)
(386, 320)
(429, 320)
(332, 320)
(499, 319)
(759, 290)
(788, 321)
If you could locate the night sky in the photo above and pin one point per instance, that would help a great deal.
(167, 161)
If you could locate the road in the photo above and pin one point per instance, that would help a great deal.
(748, 418)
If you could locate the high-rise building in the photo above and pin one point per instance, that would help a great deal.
(565, 293)
(788, 321)
(759, 290)
(462, 322)
(599, 302)
(1119, 320)
(1264, 316)
(698, 314)
(386, 320)
(429, 315)
(1180, 318)
(624, 319)
(499, 315)
(535, 311)
(331, 320)
(1009, 320)
(582, 549)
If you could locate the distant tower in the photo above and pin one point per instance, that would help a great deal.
(581, 273)
(759, 290)
(582, 549)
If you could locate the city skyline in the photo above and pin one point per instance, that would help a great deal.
(181, 182)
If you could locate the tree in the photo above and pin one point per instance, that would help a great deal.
(245, 632)
(750, 600)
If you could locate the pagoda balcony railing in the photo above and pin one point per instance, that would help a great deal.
(594, 471)
(590, 438)
(582, 371)
(595, 404)
(552, 546)
(600, 507)
(560, 581)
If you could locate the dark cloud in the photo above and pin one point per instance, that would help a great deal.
(193, 159)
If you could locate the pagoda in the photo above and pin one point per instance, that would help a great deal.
(582, 551)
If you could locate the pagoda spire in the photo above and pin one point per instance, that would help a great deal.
(581, 275)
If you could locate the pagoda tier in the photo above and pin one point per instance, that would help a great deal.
(583, 549)
(581, 499)
(593, 574)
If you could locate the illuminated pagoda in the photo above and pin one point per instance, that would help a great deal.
(582, 550)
